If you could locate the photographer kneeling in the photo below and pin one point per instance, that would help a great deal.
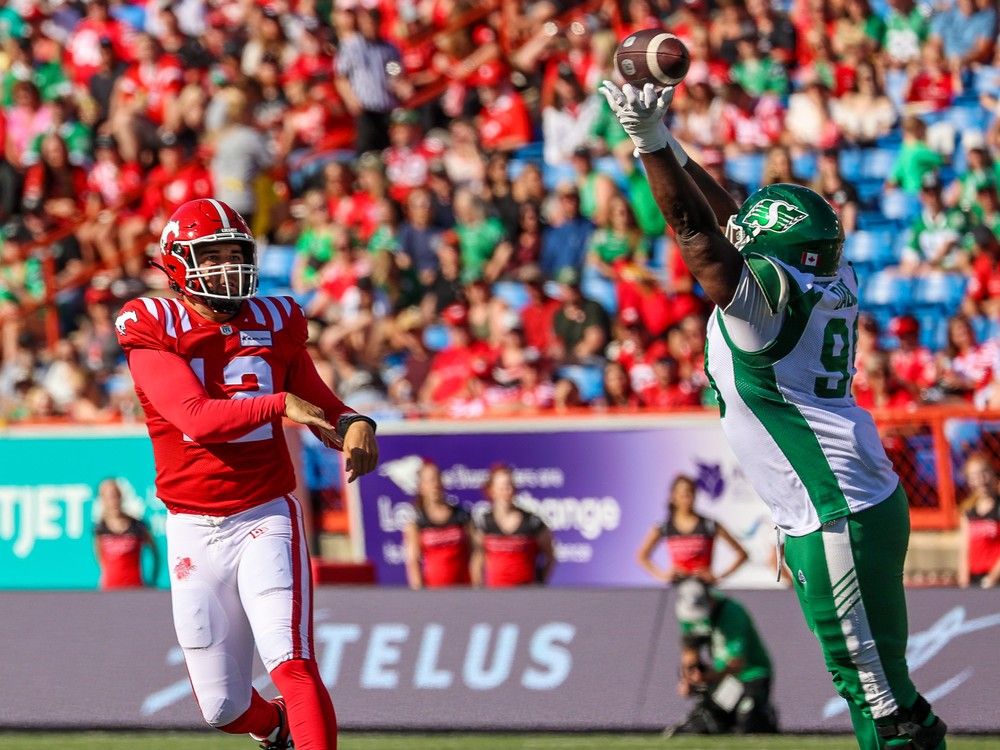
(732, 693)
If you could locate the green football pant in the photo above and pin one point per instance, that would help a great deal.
(848, 576)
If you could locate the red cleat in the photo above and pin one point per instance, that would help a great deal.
(281, 737)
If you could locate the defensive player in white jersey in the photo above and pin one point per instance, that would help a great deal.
(780, 356)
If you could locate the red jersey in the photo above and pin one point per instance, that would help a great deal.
(120, 555)
(114, 182)
(984, 540)
(511, 558)
(445, 549)
(214, 393)
(154, 82)
(915, 366)
(690, 551)
(406, 168)
(83, 49)
(456, 367)
(505, 121)
(165, 192)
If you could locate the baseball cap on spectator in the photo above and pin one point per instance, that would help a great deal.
(455, 315)
(401, 116)
(930, 181)
(568, 276)
(904, 325)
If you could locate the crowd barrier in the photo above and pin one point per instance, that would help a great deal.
(513, 660)
(599, 481)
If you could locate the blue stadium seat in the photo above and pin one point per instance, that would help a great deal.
(869, 189)
(514, 293)
(897, 205)
(876, 163)
(530, 152)
(275, 269)
(601, 290)
(804, 165)
(849, 161)
(746, 169)
(871, 250)
(658, 252)
(888, 290)
(436, 337)
(554, 174)
(944, 290)
(589, 379)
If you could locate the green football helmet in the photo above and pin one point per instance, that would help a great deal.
(791, 223)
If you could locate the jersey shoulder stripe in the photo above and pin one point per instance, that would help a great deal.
(771, 279)
(151, 323)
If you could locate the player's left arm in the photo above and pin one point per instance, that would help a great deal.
(712, 258)
(355, 430)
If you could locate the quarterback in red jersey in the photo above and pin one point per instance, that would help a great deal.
(215, 370)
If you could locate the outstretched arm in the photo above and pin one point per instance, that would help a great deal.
(709, 255)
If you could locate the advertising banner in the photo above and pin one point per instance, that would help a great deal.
(513, 659)
(48, 488)
(599, 484)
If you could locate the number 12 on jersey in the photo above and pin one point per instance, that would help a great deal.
(835, 357)
(254, 374)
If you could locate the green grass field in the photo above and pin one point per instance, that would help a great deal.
(198, 741)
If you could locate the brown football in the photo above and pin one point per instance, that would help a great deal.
(652, 55)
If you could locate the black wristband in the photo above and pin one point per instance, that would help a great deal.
(346, 420)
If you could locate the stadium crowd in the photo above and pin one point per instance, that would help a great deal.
(439, 185)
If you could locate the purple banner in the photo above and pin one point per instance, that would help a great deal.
(515, 660)
(599, 490)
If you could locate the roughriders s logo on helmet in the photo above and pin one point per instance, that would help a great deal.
(774, 215)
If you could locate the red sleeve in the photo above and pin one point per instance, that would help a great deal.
(138, 326)
(177, 395)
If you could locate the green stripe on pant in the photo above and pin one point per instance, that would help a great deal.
(848, 576)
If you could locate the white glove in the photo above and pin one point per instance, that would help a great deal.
(641, 113)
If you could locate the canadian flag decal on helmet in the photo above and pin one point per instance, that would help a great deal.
(810, 259)
(773, 215)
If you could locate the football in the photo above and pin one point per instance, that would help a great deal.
(652, 56)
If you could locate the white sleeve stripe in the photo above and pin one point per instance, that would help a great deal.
(257, 312)
(222, 213)
(273, 309)
(151, 307)
(285, 304)
(169, 319)
(182, 316)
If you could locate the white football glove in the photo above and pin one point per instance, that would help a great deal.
(641, 113)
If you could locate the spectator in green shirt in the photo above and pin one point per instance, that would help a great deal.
(936, 234)
(734, 682)
(482, 239)
(619, 241)
(915, 158)
(640, 195)
(314, 248)
(758, 74)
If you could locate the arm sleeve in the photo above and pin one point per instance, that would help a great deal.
(180, 398)
(305, 382)
(757, 310)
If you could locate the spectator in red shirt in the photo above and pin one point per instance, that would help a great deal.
(504, 122)
(668, 390)
(110, 184)
(456, 370)
(118, 542)
(749, 124)
(169, 184)
(83, 56)
(53, 188)
(438, 541)
(537, 317)
(966, 366)
(150, 86)
(407, 160)
(979, 523)
(983, 295)
(618, 393)
(513, 546)
(933, 86)
(913, 364)
(882, 389)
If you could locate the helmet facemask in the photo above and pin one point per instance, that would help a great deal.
(223, 286)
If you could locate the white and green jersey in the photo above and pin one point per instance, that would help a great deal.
(781, 358)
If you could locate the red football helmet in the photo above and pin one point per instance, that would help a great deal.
(202, 222)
